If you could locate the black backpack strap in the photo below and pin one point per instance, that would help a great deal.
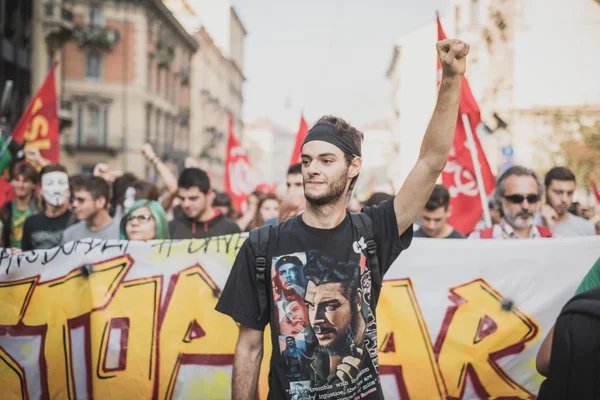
(587, 303)
(364, 224)
(259, 240)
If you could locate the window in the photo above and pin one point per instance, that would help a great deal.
(95, 16)
(50, 59)
(93, 62)
(93, 129)
(167, 136)
(157, 131)
(148, 122)
(92, 125)
(474, 12)
(158, 76)
(149, 73)
(48, 8)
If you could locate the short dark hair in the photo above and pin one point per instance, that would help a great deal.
(222, 199)
(75, 181)
(27, 171)
(559, 174)
(440, 197)
(295, 169)
(194, 177)
(120, 186)
(95, 185)
(53, 168)
(343, 128)
(377, 198)
(145, 190)
(320, 269)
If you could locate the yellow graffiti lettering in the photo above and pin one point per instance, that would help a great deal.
(12, 377)
(133, 313)
(480, 332)
(405, 349)
(55, 302)
(14, 297)
(192, 333)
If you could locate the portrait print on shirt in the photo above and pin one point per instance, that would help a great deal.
(324, 323)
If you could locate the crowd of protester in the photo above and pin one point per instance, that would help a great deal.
(50, 207)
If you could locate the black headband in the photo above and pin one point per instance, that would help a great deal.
(326, 133)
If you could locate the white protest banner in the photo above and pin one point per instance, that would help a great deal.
(98, 319)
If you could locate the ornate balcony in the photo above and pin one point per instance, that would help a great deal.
(96, 37)
(58, 23)
(165, 54)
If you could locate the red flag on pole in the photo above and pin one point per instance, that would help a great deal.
(460, 175)
(39, 124)
(237, 170)
(300, 136)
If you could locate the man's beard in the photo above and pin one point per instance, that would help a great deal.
(343, 339)
(334, 193)
(514, 218)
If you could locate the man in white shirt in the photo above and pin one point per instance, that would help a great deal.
(560, 187)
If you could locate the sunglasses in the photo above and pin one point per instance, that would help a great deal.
(518, 198)
(139, 218)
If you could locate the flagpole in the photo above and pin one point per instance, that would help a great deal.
(480, 186)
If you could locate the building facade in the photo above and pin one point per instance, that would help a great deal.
(517, 82)
(217, 80)
(126, 76)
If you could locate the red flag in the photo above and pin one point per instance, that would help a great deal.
(237, 170)
(459, 174)
(39, 124)
(595, 190)
(300, 136)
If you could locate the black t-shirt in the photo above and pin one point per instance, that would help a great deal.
(42, 232)
(453, 235)
(319, 305)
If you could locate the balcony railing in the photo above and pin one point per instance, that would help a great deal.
(165, 55)
(96, 37)
(65, 113)
(58, 23)
(184, 74)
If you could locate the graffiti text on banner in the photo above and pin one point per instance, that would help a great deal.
(96, 318)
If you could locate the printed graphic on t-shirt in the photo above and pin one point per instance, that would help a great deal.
(326, 330)
(46, 239)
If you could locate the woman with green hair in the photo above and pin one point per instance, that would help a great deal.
(145, 220)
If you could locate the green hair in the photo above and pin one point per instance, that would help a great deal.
(160, 219)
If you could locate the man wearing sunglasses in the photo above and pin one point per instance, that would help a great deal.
(518, 193)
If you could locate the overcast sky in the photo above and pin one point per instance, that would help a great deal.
(323, 56)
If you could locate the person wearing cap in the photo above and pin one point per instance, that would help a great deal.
(292, 276)
(339, 294)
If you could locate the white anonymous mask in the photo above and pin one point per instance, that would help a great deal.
(55, 188)
(129, 198)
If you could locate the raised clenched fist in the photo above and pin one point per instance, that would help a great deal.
(453, 56)
(350, 366)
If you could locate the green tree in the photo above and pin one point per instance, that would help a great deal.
(576, 144)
